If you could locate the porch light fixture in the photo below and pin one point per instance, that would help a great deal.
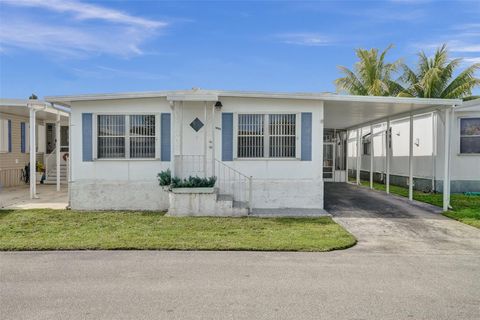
(218, 105)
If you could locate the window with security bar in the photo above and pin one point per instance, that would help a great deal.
(126, 136)
(266, 136)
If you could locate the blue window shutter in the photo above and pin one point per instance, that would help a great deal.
(9, 135)
(227, 136)
(306, 139)
(22, 137)
(87, 137)
(165, 137)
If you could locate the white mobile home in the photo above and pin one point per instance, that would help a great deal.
(269, 150)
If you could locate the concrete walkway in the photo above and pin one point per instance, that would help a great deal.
(19, 197)
(392, 224)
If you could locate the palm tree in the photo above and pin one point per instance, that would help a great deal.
(433, 77)
(372, 75)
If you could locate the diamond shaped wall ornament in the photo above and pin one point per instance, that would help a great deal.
(196, 124)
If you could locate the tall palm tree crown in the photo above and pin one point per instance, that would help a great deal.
(372, 75)
(433, 77)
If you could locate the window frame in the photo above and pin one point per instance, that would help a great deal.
(266, 144)
(4, 127)
(127, 135)
(460, 136)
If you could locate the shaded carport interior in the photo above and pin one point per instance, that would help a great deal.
(351, 113)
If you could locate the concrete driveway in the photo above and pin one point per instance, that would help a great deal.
(48, 197)
(392, 224)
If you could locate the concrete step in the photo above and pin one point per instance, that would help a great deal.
(224, 197)
(54, 182)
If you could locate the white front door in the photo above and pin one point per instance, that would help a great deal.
(193, 139)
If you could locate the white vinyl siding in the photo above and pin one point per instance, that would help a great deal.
(266, 136)
(469, 135)
(126, 136)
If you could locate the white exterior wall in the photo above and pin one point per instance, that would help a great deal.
(132, 184)
(115, 184)
(281, 183)
(464, 167)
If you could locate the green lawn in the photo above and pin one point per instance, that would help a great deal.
(64, 229)
(464, 208)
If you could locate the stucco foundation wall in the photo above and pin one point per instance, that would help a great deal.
(118, 195)
(306, 194)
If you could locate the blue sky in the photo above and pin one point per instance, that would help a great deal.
(70, 46)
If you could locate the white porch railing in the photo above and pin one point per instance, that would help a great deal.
(51, 161)
(229, 180)
(191, 165)
(235, 183)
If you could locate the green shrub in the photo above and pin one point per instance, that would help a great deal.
(165, 179)
(193, 182)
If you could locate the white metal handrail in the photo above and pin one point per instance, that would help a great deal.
(229, 180)
(51, 161)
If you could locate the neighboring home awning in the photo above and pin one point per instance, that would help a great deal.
(45, 111)
(33, 110)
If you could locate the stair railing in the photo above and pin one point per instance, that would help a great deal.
(50, 162)
(229, 180)
(233, 182)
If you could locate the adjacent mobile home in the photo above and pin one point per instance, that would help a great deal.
(15, 136)
(428, 155)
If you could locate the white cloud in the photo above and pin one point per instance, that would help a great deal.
(457, 46)
(119, 33)
(304, 39)
(471, 60)
(102, 72)
(83, 11)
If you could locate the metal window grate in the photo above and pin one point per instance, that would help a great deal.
(142, 136)
(251, 136)
(261, 135)
(282, 135)
(111, 137)
(115, 132)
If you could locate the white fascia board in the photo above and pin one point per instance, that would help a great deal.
(192, 97)
(201, 95)
(467, 105)
(424, 101)
(18, 102)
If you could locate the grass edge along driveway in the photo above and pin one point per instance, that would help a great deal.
(465, 208)
(47, 229)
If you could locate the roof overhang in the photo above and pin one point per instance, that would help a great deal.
(362, 111)
(193, 97)
(44, 110)
(341, 111)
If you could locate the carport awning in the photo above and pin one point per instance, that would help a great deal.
(20, 108)
(349, 112)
